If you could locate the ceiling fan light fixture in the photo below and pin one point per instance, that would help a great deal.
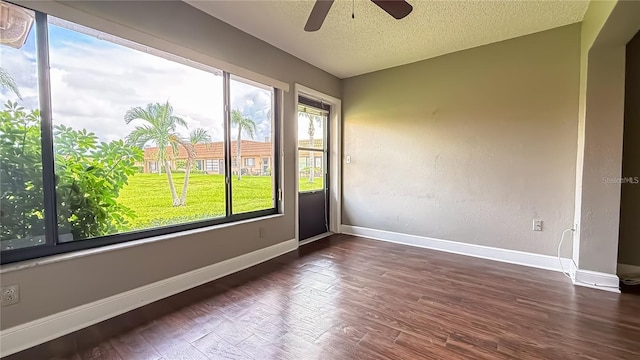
(15, 25)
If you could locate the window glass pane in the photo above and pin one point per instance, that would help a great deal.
(137, 133)
(311, 127)
(21, 196)
(251, 146)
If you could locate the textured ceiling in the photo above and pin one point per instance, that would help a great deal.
(373, 41)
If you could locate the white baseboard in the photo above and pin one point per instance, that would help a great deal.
(315, 238)
(626, 269)
(485, 252)
(597, 280)
(36, 332)
(573, 270)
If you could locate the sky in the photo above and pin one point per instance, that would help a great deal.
(94, 82)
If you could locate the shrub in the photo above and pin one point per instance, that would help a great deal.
(21, 212)
(89, 177)
(181, 164)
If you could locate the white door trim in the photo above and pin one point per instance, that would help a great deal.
(335, 157)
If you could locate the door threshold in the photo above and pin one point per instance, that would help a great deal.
(315, 238)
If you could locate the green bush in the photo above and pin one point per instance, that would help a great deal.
(181, 164)
(89, 177)
(21, 211)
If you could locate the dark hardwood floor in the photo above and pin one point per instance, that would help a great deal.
(352, 298)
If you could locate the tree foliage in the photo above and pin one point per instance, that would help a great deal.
(21, 211)
(247, 125)
(89, 176)
(7, 82)
(160, 128)
(197, 136)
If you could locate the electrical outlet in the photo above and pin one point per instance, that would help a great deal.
(10, 295)
(537, 225)
(261, 232)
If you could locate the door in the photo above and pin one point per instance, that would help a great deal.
(313, 176)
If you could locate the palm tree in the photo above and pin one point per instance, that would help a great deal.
(246, 124)
(159, 128)
(311, 132)
(197, 136)
(7, 82)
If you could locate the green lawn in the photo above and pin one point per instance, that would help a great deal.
(149, 197)
(305, 185)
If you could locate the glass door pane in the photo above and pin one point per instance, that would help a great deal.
(311, 148)
(311, 170)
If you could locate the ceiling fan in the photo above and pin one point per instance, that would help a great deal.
(396, 8)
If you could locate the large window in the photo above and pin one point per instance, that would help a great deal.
(105, 140)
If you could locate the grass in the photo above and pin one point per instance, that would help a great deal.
(305, 185)
(149, 197)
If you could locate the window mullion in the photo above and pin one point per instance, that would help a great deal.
(227, 141)
(46, 126)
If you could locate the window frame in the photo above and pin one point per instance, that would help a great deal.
(53, 245)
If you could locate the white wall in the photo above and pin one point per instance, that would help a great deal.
(607, 28)
(470, 146)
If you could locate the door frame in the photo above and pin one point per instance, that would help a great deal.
(334, 156)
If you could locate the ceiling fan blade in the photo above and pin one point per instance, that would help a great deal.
(318, 14)
(396, 8)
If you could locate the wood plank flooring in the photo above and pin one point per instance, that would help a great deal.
(352, 298)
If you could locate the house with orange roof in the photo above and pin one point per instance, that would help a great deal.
(256, 158)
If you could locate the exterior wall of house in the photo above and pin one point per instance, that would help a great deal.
(262, 160)
(470, 146)
(256, 158)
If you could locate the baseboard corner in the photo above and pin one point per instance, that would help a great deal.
(597, 280)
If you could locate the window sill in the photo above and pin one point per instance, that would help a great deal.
(21, 265)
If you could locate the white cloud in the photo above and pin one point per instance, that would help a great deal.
(94, 83)
(93, 86)
(20, 64)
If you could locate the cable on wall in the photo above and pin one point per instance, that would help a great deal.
(568, 275)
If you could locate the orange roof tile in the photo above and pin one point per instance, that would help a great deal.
(215, 150)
